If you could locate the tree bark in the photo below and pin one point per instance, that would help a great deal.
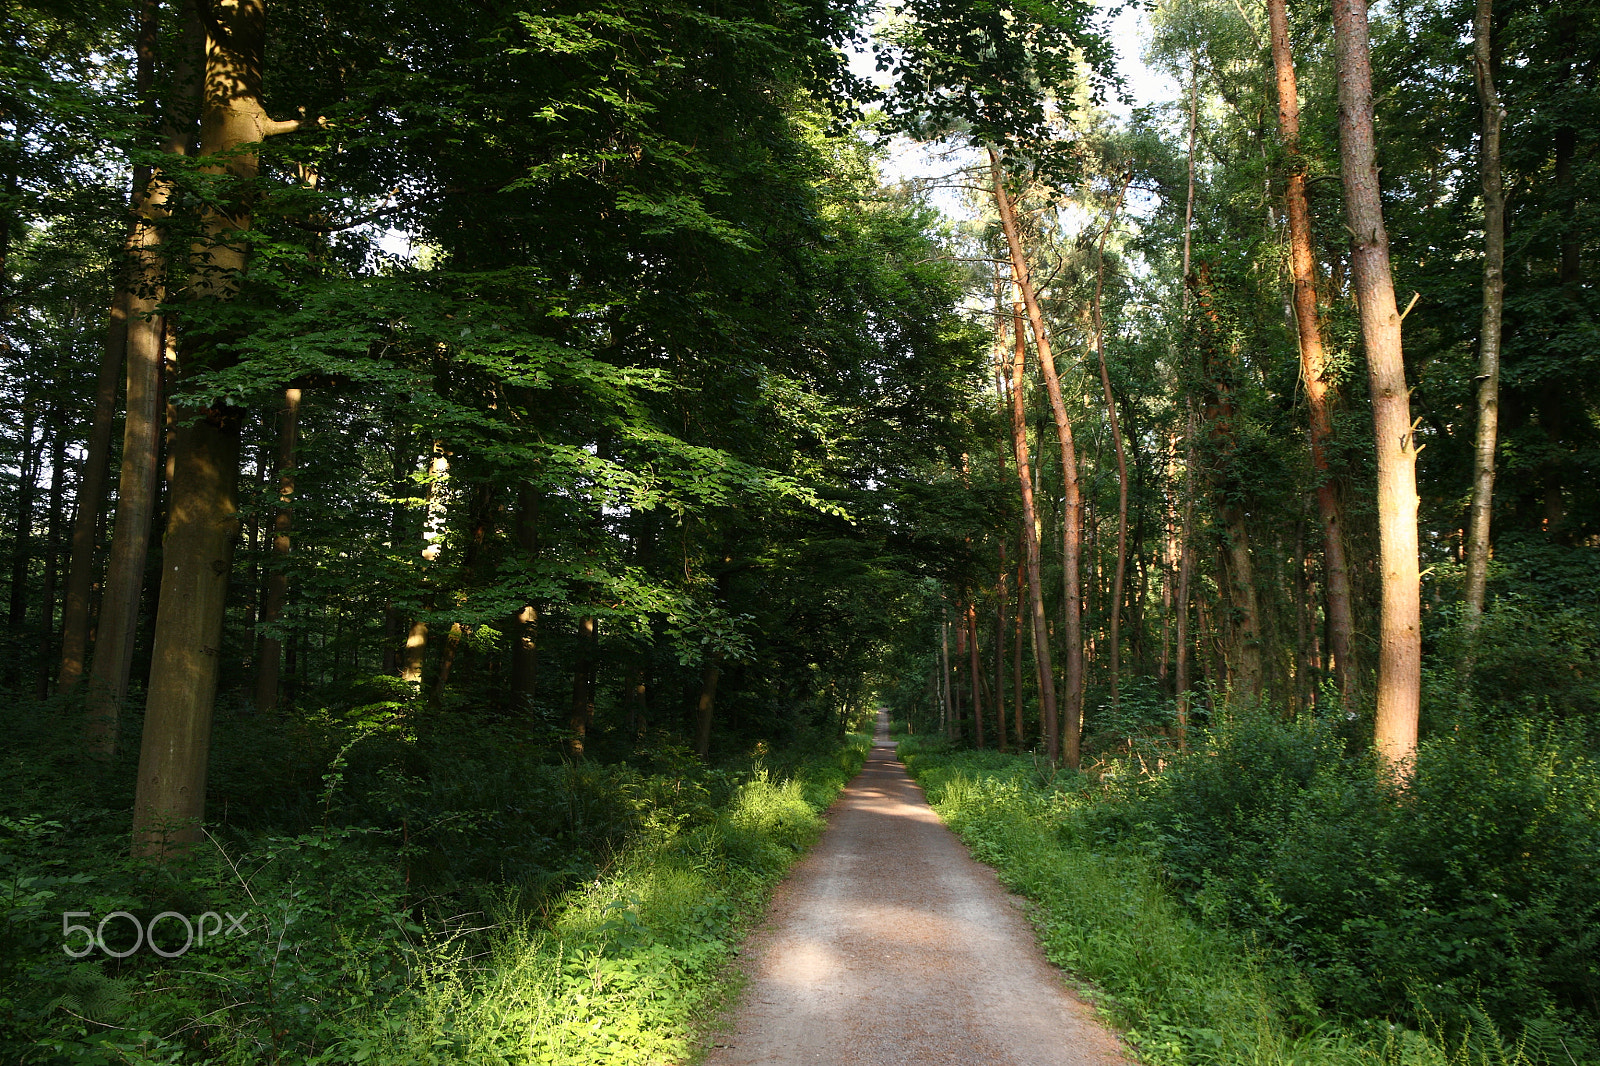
(1030, 537)
(269, 655)
(90, 498)
(583, 672)
(1494, 252)
(1056, 746)
(1320, 393)
(1116, 440)
(1400, 639)
(525, 628)
(22, 543)
(202, 523)
(705, 706)
(977, 673)
(143, 422)
(52, 548)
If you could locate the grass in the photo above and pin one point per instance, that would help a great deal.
(343, 965)
(626, 965)
(1183, 991)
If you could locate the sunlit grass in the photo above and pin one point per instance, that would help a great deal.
(624, 966)
(1182, 992)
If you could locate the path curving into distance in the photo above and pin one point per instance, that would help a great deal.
(889, 946)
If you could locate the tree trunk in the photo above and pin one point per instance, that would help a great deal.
(525, 629)
(52, 548)
(1400, 640)
(1494, 285)
(1180, 667)
(1116, 440)
(1313, 363)
(1000, 653)
(91, 495)
(145, 356)
(22, 544)
(583, 669)
(1030, 537)
(705, 706)
(270, 654)
(977, 673)
(202, 518)
(90, 498)
(1072, 532)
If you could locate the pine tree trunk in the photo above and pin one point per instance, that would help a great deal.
(977, 674)
(1400, 639)
(1313, 362)
(1030, 538)
(1116, 440)
(270, 647)
(1494, 285)
(1057, 746)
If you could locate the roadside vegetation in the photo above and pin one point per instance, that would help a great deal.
(430, 893)
(1268, 898)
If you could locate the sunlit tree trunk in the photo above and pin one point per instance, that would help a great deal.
(269, 653)
(1030, 538)
(145, 353)
(1056, 746)
(1400, 638)
(202, 523)
(976, 670)
(1494, 252)
(1098, 324)
(1313, 362)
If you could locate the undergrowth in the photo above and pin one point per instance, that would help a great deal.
(1190, 976)
(463, 900)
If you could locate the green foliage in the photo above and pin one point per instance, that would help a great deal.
(441, 902)
(1187, 984)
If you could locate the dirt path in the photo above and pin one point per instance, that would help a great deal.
(889, 945)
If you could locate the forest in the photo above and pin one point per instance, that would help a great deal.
(474, 471)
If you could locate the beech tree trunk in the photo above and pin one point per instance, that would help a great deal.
(1072, 530)
(145, 354)
(52, 548)
(1400, 638)
(202, 523)
(705, 706)
(90, 497)
(525, 628)
(269, 655)
(1494, 253)
(1313, 362)
(582, 710)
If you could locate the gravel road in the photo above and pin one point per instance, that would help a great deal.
(889, 945)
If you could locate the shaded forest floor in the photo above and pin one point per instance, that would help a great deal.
(430, 891)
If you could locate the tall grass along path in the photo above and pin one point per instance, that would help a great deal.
(889, 945)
